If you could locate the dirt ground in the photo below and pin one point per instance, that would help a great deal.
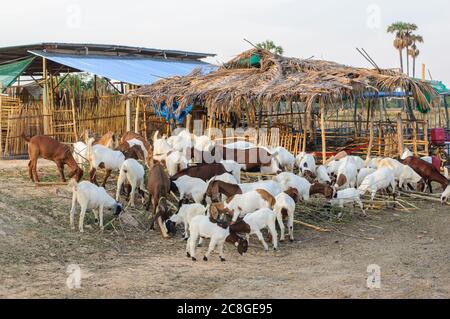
(37, 246)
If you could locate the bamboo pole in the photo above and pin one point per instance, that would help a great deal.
(75, 130)
(400, 134)
(45, 97)
(322, 127)
(305, 129)
(128, 111)
(414, 125)
(371, 132)
(188, 122)
(425, 136)
(136, 120)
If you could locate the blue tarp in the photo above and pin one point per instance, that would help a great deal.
(170, 114)
(132, 70)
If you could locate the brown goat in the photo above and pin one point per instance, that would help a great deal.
(252, 158)
(427, 171)
(324, 189)
(293, 193)
(158, 186)
(202, 171)
(48, 148)
(216, 188)
(128, 136)
(108, 140)
(134, 152)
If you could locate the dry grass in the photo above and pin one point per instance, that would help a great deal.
(277, 79)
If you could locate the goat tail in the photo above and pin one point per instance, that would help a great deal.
(26, 138)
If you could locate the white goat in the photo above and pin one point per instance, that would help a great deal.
(408, 176)
(90, 196)
(201, 226)
(349, 195)
(262, 218)
(134, 173)
(234, 167)
(333, 167)
(176, 161)
(273, 187)
(407, 153)
(322, 175)
(381, 179)
(362, 174)
(80, 153)
(346, 176)
(285, 158)
(203, 143)
(285, 207)
(181, 141)
(191, 186)
(302, 186)
(185, 215)
(243, 204)
(160, 147)
(307, 163)
(99, 154)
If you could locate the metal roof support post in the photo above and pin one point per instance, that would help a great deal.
(45, 110)
(322, 128)
(128, 111)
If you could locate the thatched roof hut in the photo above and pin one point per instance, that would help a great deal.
(258, 79)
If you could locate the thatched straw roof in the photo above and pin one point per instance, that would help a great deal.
(276, 79)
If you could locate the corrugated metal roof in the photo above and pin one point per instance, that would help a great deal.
(133, 70)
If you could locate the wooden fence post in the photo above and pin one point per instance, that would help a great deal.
(322, 128)
(45, 110)
(400, 134)
(370, 113)
(136, 120)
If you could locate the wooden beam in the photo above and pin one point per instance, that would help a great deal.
(45, 98)
(128, 112)
(400, 134)
(136, 120)
(322, 128)
(371, 130)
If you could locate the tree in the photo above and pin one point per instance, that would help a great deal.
(270, 46)
(410, 27)
(403, 39)
(414, 52)
(399, 29)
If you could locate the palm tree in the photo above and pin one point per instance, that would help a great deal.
(270, 46)
(414, 52)
(399, 28)
(410, 27)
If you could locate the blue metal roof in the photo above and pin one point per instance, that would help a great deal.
(132, 70)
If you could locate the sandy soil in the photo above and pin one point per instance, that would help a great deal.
(37, 245)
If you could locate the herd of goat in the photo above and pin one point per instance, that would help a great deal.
(196, 169)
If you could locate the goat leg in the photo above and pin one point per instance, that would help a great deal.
(30, 170)
(93, 176)
(108, 173)
(60, 166)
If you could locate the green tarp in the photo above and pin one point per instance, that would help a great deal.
(439, 87)
(10, 72)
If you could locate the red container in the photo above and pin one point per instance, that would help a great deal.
(438, 136)
(436, 162)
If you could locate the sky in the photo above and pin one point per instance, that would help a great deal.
(325, 29)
